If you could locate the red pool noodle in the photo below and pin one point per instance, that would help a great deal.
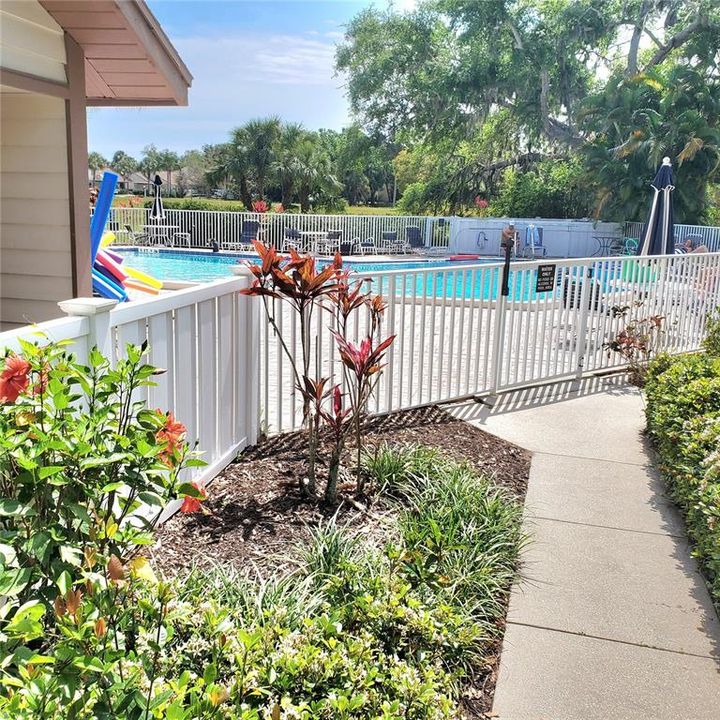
(103, 259)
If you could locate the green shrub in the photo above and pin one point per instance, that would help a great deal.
(84, 474)
(683, 417)
(199, 204)
(712, 334)
(356, 631)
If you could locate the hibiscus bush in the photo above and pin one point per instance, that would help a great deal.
(85, 470)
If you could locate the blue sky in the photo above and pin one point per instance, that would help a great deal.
(248, 59)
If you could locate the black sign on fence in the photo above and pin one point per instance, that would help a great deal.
(545, 278)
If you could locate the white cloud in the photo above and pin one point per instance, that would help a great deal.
(236, 78)
(278, 59)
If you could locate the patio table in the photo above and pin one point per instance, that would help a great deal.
(310, 238)
(160, 233)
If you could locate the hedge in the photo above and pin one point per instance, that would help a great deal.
(683, 420)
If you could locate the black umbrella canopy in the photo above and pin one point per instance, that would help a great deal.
(658, 236)
(157, 211)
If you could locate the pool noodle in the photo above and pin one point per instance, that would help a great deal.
(109, 264)
(108, 238)
(106, 274)
(107, 288)
(144, 278)
(102, 211)
(117, 257)
(141, 287)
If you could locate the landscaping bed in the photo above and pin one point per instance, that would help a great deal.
(256, 509)
(260, 530)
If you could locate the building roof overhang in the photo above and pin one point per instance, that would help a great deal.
(128, 58)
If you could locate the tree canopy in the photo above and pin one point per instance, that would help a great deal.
(502, 83)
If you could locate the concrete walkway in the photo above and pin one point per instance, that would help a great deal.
(612, 620)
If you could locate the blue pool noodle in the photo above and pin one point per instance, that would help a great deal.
(102, 211)
(106, 288)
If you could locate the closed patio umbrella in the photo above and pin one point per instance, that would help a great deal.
(157, 211)
(658, 237)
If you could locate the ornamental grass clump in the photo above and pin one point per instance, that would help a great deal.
(297, 282)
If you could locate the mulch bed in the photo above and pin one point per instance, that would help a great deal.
(258, 518)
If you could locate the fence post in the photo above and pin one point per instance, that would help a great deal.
(248, 355)
(97, 311)
(581, 339)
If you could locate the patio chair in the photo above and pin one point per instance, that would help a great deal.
(367, 246)
(629, 246)
(248, 233)
(533, 242)
(137, 238)
(292, 240)
(330, 244)
(388, 240)
(414, 238)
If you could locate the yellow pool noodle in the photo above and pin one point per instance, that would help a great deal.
(108, 238)
(143, 277)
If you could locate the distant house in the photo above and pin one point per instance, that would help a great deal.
(56, 59)
(136, 182)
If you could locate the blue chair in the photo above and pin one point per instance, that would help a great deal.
(250, 229)
(533, 242)
(292, 240)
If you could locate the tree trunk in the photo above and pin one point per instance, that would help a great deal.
(245, 193)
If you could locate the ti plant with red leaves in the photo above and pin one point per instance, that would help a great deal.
(336, 421)
(362, 365)
(637, 342)
(297, 282)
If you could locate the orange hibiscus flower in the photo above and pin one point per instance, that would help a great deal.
(14, 378)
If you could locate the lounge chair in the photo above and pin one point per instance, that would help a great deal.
(330, 244)
(137, 238)
(388, 241)
(414, 238)
(249, 233)
(533, 243)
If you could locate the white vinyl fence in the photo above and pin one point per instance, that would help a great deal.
(705, 234)
(458, 337)
(206, 340)
(199, 228)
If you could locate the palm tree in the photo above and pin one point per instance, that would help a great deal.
(229, 163)
(124, 165)
(256, 142)
(149, 163)
(169, 161)
(286, 165)
(314, 173)
(96, 162)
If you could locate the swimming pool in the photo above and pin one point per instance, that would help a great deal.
(451, 279)
(203, 267)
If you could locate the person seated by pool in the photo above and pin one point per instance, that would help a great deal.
(690, 245)
(214, 245)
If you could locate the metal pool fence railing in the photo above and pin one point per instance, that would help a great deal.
(199, 228)
(458, 337)
(206, 340)
(706, 234)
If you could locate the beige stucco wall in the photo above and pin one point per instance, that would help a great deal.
(31, 41)
(35, 251)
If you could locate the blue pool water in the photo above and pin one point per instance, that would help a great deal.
(453, 279)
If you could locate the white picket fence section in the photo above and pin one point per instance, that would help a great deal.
(708, 235)
(198, 228)
(206, 340)
(458, 337)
